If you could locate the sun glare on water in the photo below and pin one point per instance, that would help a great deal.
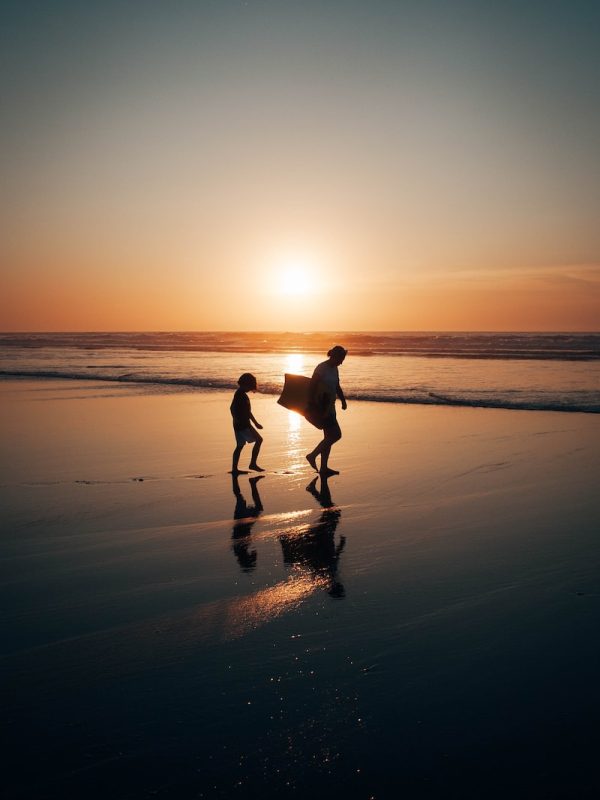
(294, 363)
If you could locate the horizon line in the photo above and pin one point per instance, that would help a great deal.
(299, 332)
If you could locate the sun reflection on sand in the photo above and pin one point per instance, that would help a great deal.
(294, 363)
(248, 613)
(294, 422)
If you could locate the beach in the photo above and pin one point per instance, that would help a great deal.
(425, 624)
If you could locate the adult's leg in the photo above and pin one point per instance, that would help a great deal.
(332, 435)
(311, 457)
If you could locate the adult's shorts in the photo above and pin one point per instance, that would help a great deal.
(330, 421)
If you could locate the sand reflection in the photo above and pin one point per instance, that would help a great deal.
(314, 550)
(245, 517)
(311, 557)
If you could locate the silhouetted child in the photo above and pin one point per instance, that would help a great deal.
(242, 417)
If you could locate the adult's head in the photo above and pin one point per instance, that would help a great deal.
(337, 354)
(247, 382)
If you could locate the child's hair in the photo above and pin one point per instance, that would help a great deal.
(247, 381)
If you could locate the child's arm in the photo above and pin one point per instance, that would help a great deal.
(257, 424)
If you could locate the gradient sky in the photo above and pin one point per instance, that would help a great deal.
(421, 165)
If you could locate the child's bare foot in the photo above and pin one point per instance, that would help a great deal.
(255, 468)
(327, 473)
(238, 472)
(312, 461)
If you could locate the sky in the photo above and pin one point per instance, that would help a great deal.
(380, 165)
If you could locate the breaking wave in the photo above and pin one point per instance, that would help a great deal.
(587, 401)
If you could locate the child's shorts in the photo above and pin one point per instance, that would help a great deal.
(245, 435)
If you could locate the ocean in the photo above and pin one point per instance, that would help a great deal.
(528, 371)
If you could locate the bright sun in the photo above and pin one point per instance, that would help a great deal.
(294, 278)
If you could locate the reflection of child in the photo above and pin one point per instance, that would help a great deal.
(245, 517)
(242, 417)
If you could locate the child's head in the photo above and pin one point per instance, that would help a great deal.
(247, 382)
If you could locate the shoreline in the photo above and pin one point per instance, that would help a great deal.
(205, 385)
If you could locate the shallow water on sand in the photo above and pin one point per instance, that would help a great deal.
(423, 624)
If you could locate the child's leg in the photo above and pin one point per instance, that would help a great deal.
(236, 459)
(255, 451)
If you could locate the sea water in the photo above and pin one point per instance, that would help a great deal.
(549, 371)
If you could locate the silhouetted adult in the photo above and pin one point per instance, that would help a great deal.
(324, 388)
(245, 517)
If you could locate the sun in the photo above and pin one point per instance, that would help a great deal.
(294, 278)
(294, 281)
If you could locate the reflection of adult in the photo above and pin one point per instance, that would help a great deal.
(245, 517)
(314, 550)
(324, 388)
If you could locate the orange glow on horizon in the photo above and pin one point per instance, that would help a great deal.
(544, 299)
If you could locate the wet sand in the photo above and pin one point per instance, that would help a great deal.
(424, 624)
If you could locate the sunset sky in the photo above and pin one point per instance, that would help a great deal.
(380, 165)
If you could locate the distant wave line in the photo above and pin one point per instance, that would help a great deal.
(414, 352)
(509, 346)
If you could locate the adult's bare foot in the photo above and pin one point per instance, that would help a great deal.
(327, 473)
(255, 468)
(312, 461)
